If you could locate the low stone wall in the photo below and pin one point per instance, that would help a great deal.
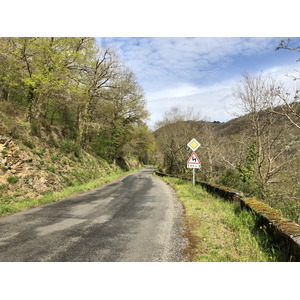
(284, 231)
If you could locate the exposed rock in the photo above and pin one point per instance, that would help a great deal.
(25, 158)
(39, 184)
(4, 140)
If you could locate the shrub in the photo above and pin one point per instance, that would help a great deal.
(12, 179)
(51, 169)
(35, 128)
(67, 146)
(77, 150)
(230, 178)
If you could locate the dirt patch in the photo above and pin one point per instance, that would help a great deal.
(191, 225)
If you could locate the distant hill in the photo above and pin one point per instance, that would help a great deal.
(230, 155)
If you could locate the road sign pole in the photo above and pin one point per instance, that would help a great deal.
(193, 162)
(193, 176)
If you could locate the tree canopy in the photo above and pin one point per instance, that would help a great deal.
(78, 85)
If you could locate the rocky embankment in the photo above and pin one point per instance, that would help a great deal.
(28, 172)
(21, 171)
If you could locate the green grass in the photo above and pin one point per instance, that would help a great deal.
(220, 230)
(9, 205)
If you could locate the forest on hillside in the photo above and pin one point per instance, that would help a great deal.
(258, 152)
(83, 89)
(80, 97)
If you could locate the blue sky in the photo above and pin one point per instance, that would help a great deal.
(200, 72)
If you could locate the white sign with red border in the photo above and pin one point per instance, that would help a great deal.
(194, 161)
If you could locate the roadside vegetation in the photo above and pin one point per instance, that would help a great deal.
(258, 152)
(71, 112)
(9, 205)
(220, 231)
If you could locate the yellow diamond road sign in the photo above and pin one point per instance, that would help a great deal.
(194, 144)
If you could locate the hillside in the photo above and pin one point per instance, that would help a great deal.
(71, 111)
(31, 165)
(261, 159)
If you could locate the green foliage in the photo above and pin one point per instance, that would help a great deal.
(223, 230)
(40, 153)
(102, 145)
(231, 178)
(67, 146)
(12, 180)
(247, 173)
(3, 188)
(28, 143)
(77, 85)
(51, 168)
(35, 128)
(4, 152)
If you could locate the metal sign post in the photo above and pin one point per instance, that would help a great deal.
(193, 176)
(193, 161)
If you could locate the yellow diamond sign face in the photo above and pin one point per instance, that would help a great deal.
(194, 144)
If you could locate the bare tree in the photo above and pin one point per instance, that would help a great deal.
(290, 107)
(255, 95)
(173, 133)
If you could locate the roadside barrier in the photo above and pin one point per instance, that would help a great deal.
(284, 231)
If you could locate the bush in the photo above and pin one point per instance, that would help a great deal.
(35, 128)
(12, 179)
(230, 178)
(51, 169)
(67, 146)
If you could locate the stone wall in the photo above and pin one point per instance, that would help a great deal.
(284, 231)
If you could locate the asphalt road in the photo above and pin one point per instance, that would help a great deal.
(136, 218)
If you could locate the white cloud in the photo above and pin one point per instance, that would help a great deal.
(179, 91)
(212, 101)
(169, 61)
(199, 72)
(215, 101)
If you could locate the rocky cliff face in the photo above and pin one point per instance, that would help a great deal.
(21, 171)
(34, 162)
(29, 172)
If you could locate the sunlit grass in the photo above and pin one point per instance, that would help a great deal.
(224, 232)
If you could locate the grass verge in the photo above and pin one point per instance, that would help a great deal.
(49, 197)
(221, 231)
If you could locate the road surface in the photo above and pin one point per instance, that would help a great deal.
(136, 218)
